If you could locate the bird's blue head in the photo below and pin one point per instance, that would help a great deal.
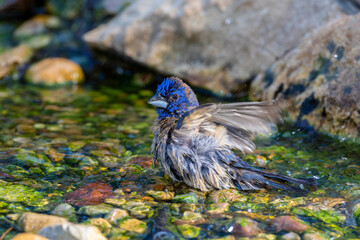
(173, 98)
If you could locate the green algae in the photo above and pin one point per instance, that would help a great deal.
(15, 193)
(189, 231)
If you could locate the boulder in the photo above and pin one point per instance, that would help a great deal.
(320, 79)
(215, 44)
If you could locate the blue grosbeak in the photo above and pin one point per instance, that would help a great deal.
(193, 142)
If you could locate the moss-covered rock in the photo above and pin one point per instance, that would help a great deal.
(11, 192)
(189, 231)
(134, 225)
(95, 210)
(161, 195)
(191, 197)
(225, 196)
(116, 215)
(32, 159)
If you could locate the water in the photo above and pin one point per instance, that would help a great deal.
(53, 141)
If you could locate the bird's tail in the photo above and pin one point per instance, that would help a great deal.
(273, 180)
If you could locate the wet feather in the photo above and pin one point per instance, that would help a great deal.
(194, 142)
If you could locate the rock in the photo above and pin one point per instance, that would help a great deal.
(65, 9)
(225, 196)
(90, 194)
(217, 208)
(116, 215)
(215, 44)
(96, 210)
(32, 159)
(101, 223)
(191, 197)
(33, 222)
(246, 227)
(142, 161)
(189, 231)
(118, 202)
(192, 216)
(141, 212)
(356, 212)
(14, 57)
(71, 231)
(289, 223)
(290, 236)
(313, 236)
(10, 192)
(51, 71)
(134, 225)
(113, 7)
(64, 210)
(319, 79)
(28, 236)
(36, 25)
(110, 161)
(161, 195)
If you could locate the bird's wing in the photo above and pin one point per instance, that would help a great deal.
(234, 124)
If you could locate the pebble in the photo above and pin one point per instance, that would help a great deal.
(70, 231)
(33, 222)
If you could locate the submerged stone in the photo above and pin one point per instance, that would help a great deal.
(290, 224)
(246, 227)
(10, 192)
(161, 195)
(191, 216)
(217, 208)
(141, 212)
(225, 195)
(134, 225)
(118, 202)
(189, 231)
(89, 194)
(101, 223)
(290, 236)
(96, 210)
(33, 222)
(71, 231)
(32, 159)
(191, 197)
(313, 235)
(115, 215)
(65, 210)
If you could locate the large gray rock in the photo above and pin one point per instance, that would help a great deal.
(217, 44)
(71, 231)
(320, 79)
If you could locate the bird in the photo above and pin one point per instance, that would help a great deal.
(194, 143)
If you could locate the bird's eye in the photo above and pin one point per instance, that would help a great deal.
(174, 97)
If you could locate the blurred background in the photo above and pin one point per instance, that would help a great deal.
(304, 51)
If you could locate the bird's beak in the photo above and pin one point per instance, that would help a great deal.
(158, 101)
